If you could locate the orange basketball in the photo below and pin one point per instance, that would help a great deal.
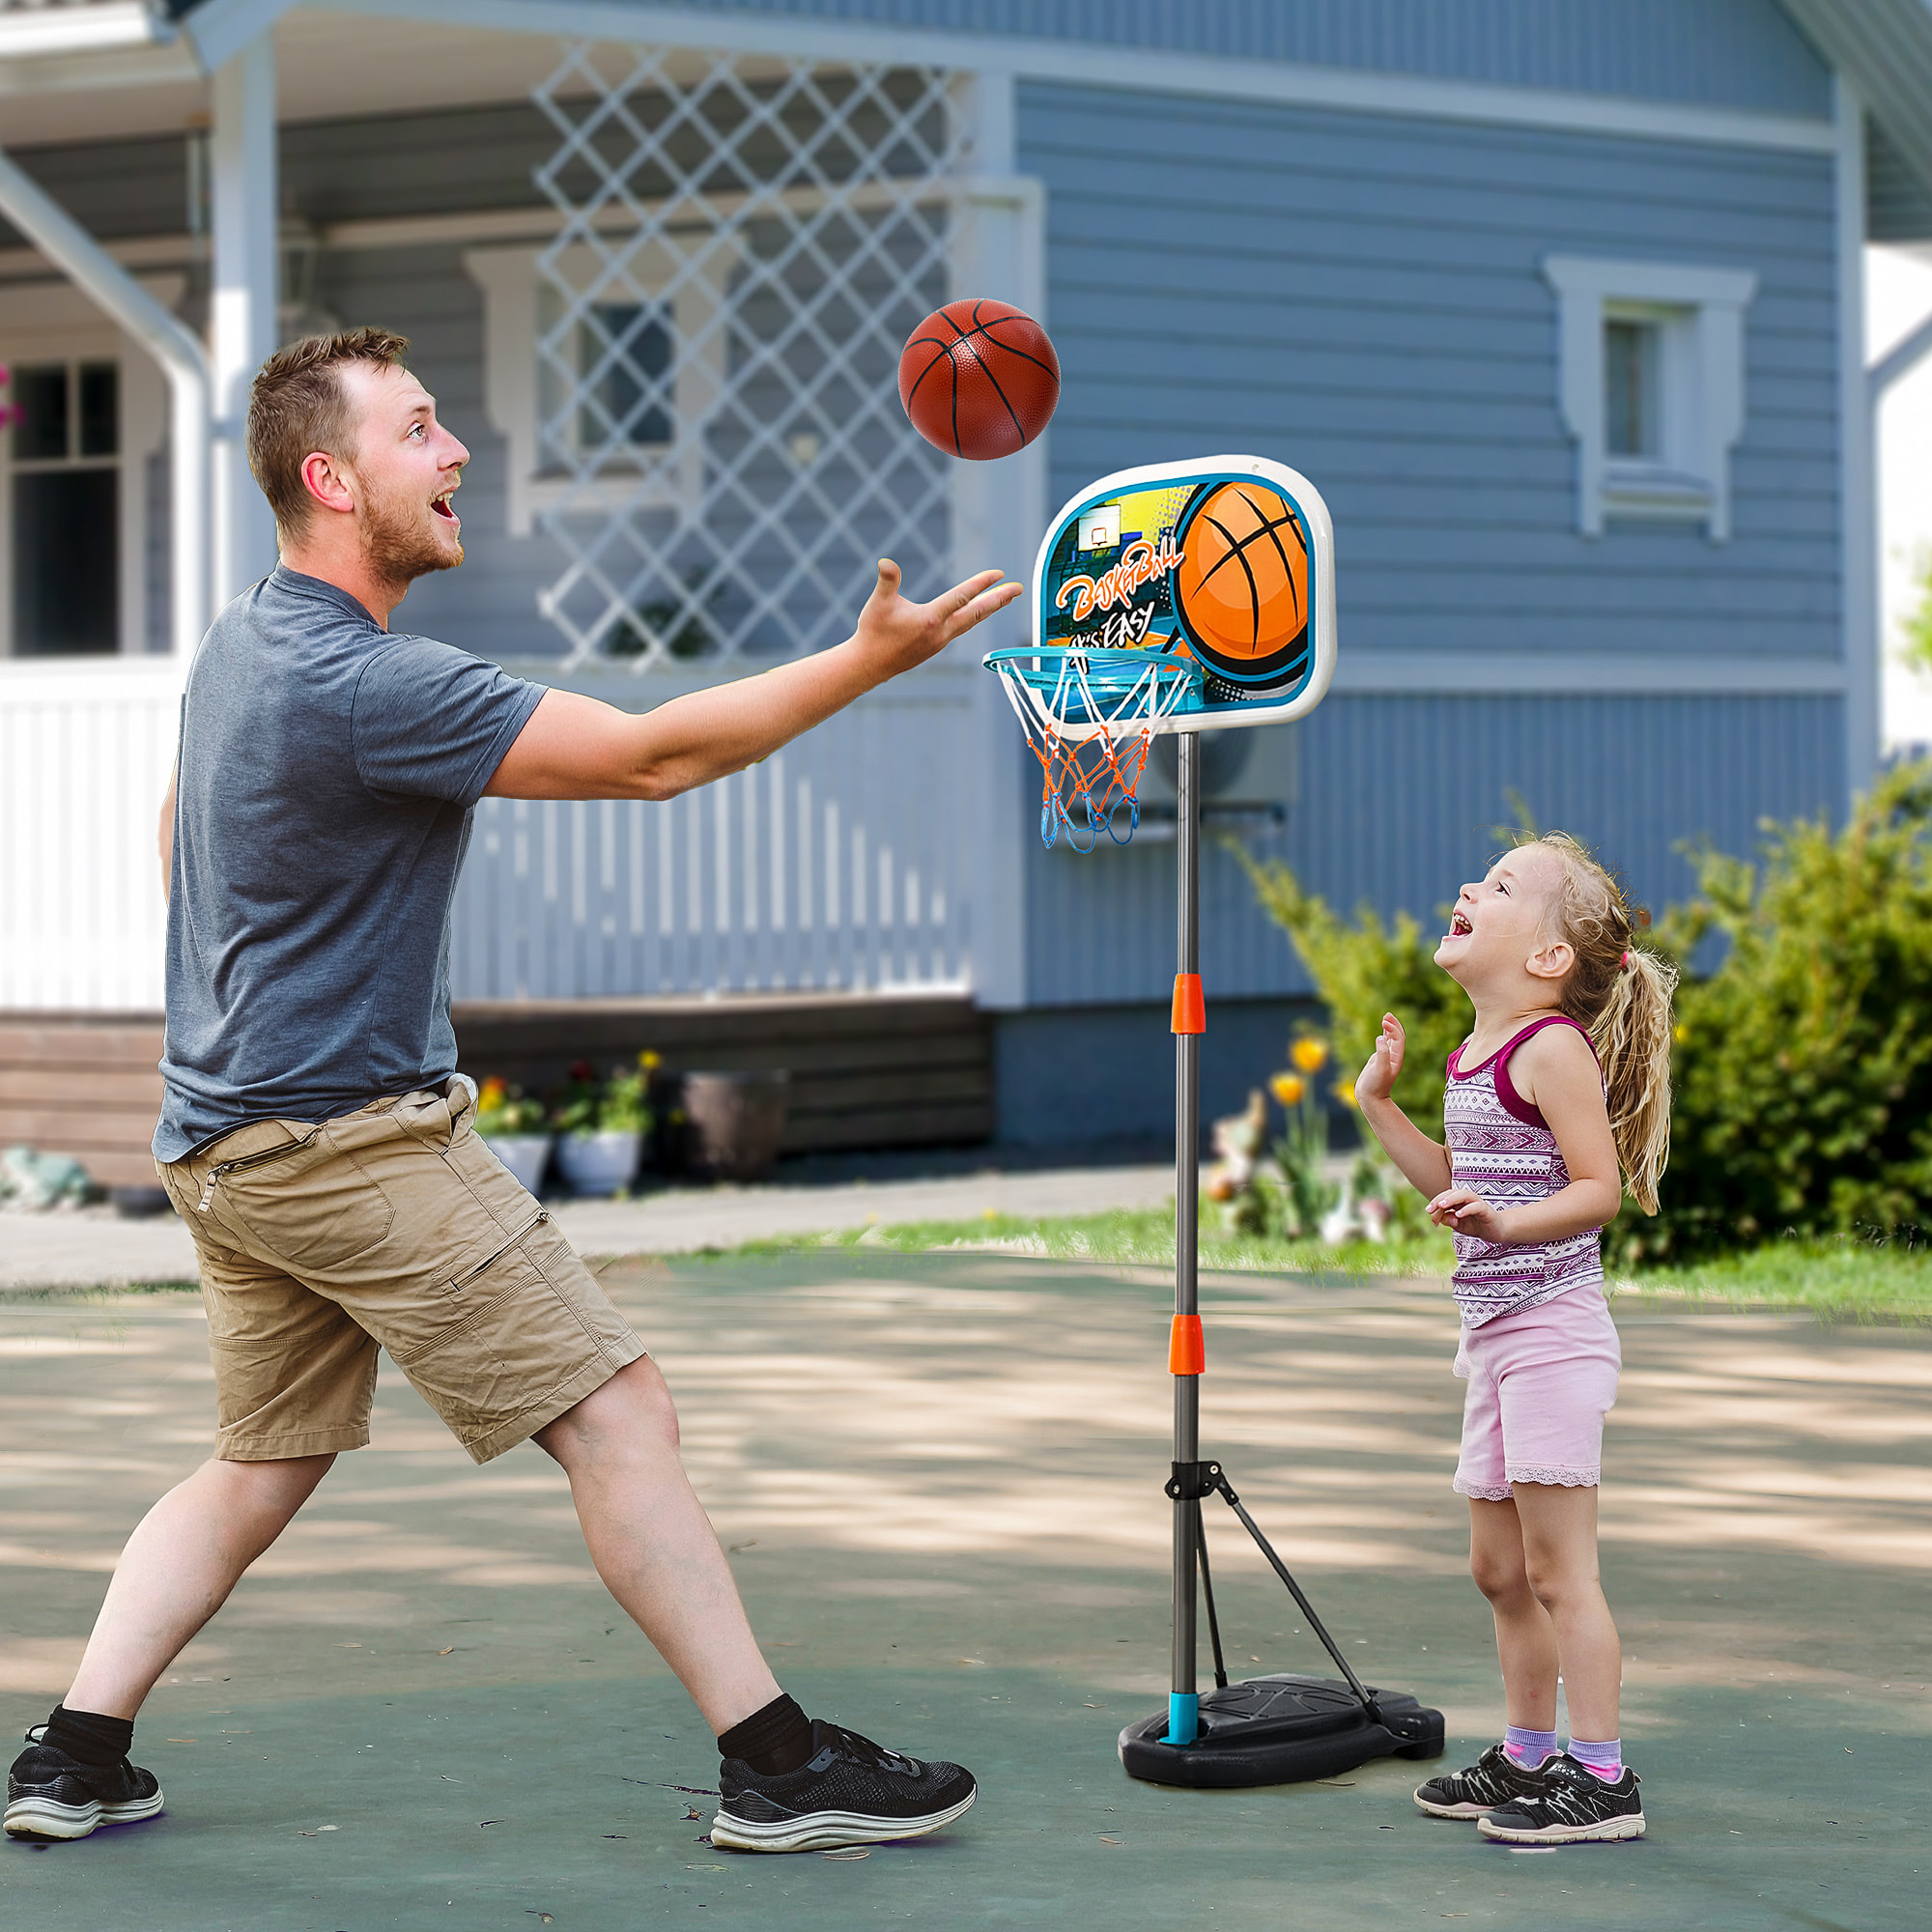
(1242, 585)
(978, 379)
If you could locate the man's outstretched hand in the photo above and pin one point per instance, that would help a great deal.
(896, 634)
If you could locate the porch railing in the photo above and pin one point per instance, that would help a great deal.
(85, 752)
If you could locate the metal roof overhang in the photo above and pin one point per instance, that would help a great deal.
(1883, 47)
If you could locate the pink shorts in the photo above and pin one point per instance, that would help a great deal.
(1540, 1385)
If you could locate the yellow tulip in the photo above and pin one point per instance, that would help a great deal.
(1288, 1089)
(1344, 1092)
(1309, 1054)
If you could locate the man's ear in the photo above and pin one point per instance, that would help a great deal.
(327, 479)
(1552, 961)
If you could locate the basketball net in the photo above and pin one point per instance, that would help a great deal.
(1091, 717)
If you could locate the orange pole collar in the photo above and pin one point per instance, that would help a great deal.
(1186, 1352)
(1191, 1008)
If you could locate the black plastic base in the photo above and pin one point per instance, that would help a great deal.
(1282, 1730)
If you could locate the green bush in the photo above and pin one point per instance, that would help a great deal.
(1803, 1063)
(1803, 1069)
(1917, 623)
(1365, 969)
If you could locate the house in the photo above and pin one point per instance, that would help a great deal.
(1558, 301)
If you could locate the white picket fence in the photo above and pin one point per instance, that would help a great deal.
(834, 864)
(85, 752)
(851, 860)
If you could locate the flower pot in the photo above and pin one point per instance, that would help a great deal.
(598, 1164)
(736, 1122)
(525, 1155)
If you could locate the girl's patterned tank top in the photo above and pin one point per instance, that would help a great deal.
(1502, 1146)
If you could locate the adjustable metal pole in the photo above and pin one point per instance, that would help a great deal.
(1184, 1350)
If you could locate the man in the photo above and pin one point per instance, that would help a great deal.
(316, 1143)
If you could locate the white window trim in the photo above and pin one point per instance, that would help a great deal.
(1701, 311)
(510, 280)
(50, 321)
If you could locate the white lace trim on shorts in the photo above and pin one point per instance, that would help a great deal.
(1562, 1479)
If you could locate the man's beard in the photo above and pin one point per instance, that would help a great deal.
(399, 548)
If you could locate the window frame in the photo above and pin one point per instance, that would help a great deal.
(42, 322)
(514, 289)
(1698, 313)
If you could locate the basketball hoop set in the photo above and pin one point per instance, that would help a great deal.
(1174, 598)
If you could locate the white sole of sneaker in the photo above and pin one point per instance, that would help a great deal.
(826, 1831)
(1610, 1832)
(34, 1817)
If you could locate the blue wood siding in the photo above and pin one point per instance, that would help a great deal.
(489, 605)
(1363, 299)
(1731, 53)
(1401, 798)
(444, 162)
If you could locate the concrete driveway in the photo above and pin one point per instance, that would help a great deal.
(940, 1479)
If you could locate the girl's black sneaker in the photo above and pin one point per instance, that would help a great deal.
(850, 1792)
(1495, 1778)
(50, 1795)
(1574, 1808)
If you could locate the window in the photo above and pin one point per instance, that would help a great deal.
(1631, 355)
(623, 355)
(601, 408)
(83, 478)
(1650, 356)
(66, 513)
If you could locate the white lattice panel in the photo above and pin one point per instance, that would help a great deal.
(745, 247)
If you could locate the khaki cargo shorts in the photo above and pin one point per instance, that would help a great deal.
(394, 1227)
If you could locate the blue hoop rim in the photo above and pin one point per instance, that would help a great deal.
(1108, 670)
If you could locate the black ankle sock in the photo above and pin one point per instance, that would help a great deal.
(88, 1737)
(773, 1740)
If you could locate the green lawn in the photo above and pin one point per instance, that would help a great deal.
(1843, 1280)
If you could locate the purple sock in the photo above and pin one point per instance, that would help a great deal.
(1528, 1748)
(1605, 1759)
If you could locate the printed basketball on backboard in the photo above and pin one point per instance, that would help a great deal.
(1241, 590)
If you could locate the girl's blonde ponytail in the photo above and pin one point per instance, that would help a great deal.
(1633, 1040)
(1621, 992)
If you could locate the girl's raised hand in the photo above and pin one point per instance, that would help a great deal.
(1376, 1080)
(1464, 1211)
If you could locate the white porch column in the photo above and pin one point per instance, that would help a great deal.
(998, 509)
(242, 316)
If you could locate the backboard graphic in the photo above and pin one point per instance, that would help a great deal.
(1226, 561)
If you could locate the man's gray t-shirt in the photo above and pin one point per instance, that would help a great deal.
(328, 775)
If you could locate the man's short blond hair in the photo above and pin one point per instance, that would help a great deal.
(299, 406)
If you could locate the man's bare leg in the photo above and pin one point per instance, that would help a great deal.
(647, 1534)
(184, 1559)
(654, 1546)
(788, 1784)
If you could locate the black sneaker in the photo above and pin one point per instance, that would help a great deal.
(50, 1795)
(853, 1792)
(1574, 1808)
(1495, 1778)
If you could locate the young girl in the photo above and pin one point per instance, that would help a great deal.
(1562, 1087)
